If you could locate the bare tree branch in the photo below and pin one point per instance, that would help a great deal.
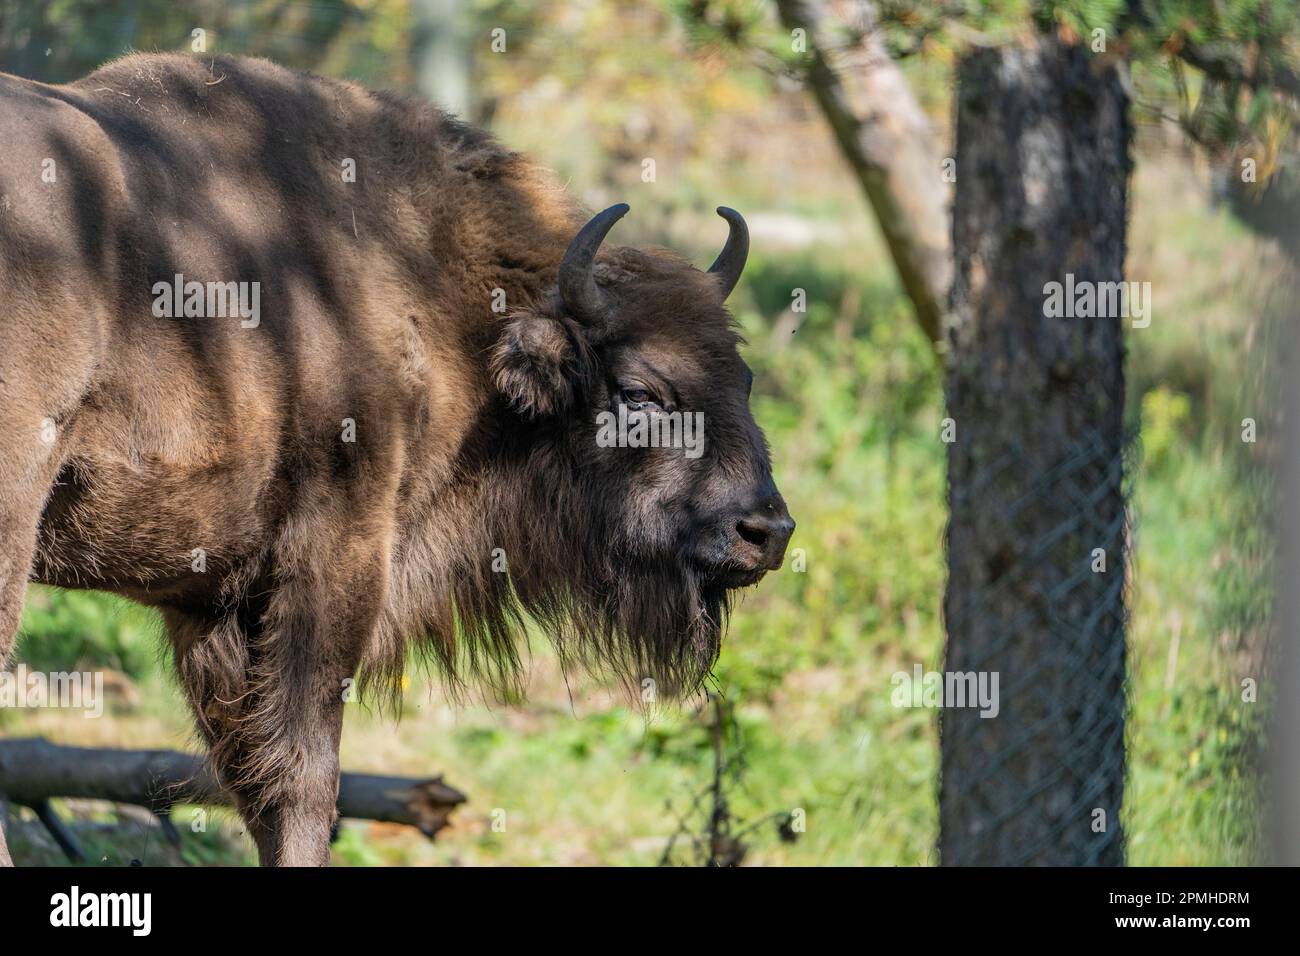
(888, 142)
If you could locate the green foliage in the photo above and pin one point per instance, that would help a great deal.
(849, 390)
(69, 630)
(1164, 425)
(60, 40)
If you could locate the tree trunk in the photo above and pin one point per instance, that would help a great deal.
(441, 52)
(1035, 471)
(889, 145)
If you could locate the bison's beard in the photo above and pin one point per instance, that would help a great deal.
(656, 627)
(610, 611)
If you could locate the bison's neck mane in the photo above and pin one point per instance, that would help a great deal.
(497, 535)
(519, 539)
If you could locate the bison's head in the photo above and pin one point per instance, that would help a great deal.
(630, 387)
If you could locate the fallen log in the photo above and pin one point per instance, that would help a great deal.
(32, 770)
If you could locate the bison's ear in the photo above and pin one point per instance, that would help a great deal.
(536, 365)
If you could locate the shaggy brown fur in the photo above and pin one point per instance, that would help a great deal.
(203, 468)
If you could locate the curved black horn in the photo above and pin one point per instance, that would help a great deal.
(731, 260)
(578, 289)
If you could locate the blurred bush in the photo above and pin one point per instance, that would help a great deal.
(67, 630)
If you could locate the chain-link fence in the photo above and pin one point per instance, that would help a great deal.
(1041, 782)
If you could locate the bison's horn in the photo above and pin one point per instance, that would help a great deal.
(578, 289)
(731, 260)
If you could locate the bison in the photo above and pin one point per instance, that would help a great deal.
(315, 370)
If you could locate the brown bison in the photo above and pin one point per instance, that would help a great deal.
(316, 372)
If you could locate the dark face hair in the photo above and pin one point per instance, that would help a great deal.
(657, 536)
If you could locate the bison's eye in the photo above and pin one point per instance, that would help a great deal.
(636, 397)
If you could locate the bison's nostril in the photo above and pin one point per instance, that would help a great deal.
(755, 532)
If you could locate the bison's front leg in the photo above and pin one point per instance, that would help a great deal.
(290, 819)
(268, 687)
